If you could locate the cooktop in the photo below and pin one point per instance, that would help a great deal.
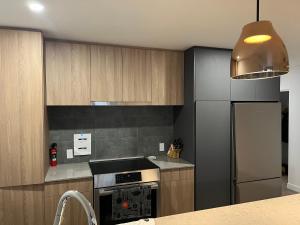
(121, 165)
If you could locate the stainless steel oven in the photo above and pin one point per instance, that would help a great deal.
(126, 203)
(125, 190)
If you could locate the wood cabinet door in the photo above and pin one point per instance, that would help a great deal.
(23, 205)
(74, 213)
(106, 73)
(22, 108)
(136, 76)
(167, 77)
(67, 73)
(176, 191)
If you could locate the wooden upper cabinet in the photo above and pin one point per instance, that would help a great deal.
(106, 73)
(136, 76)
(22, 108)
(78, 74)
(167, 77)
(67, 73)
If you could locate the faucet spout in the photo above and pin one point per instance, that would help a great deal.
(83, 201)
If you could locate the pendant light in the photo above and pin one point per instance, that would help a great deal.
(259, 52)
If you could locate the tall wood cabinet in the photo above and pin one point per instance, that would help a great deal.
(176, 191)
(74, 213)
(22, 108)
(67, 73)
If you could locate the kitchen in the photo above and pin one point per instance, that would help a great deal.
(112, 115)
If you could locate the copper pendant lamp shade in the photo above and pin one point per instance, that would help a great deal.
(259, 53)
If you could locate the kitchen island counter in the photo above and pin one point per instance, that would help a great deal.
(276, 211)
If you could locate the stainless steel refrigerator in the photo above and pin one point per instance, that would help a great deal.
(256, 151)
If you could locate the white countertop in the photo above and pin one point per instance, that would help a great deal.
(72, 171)
(165, 163)
(68, 172)
(275, 211)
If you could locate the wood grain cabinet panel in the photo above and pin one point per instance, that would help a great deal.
(22, 108)
(67, 73)
(136, 76)
(167, 77)
(74, 213)
(176, 191)
(106, 73)
(23, 205)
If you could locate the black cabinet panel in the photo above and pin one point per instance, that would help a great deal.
(243, 90)
(255, 90)
(212, 74)
(212, 154)
(268, 89)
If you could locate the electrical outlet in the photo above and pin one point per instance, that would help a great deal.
(161, 147)
(69, 153)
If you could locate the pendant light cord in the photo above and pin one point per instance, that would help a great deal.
(257, 11)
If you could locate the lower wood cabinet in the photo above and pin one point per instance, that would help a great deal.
(74, 213)
(22, 205)
(176, 191)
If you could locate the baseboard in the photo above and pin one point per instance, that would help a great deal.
(293, 187)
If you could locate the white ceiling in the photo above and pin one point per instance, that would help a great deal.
(171, 24)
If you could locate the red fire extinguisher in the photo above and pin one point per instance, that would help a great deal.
(53, 154)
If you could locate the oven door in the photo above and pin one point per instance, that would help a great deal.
(126, 203)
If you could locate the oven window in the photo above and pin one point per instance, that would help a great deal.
(106, 210)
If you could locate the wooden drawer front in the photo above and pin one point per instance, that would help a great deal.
(74, 213)
(177, 191)
(58, 188)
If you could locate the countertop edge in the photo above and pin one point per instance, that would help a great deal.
(65, 172)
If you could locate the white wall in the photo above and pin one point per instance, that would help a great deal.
(291, 83)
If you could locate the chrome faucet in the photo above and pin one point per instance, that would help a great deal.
(83, 201)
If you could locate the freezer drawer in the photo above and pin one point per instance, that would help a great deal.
(257, 141)
(258, 190)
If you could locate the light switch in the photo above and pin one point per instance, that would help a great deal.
(69, 153)
(161, 147)
(82, 144)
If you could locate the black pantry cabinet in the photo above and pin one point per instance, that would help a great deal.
(204, 122)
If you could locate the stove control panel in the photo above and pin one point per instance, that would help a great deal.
(128, 177)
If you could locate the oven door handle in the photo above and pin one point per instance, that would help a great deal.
(103, 192)
(106, 191)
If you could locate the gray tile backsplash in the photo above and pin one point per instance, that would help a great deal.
(116, 131)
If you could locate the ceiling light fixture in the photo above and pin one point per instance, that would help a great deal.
(36, 7)
(259, 53)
